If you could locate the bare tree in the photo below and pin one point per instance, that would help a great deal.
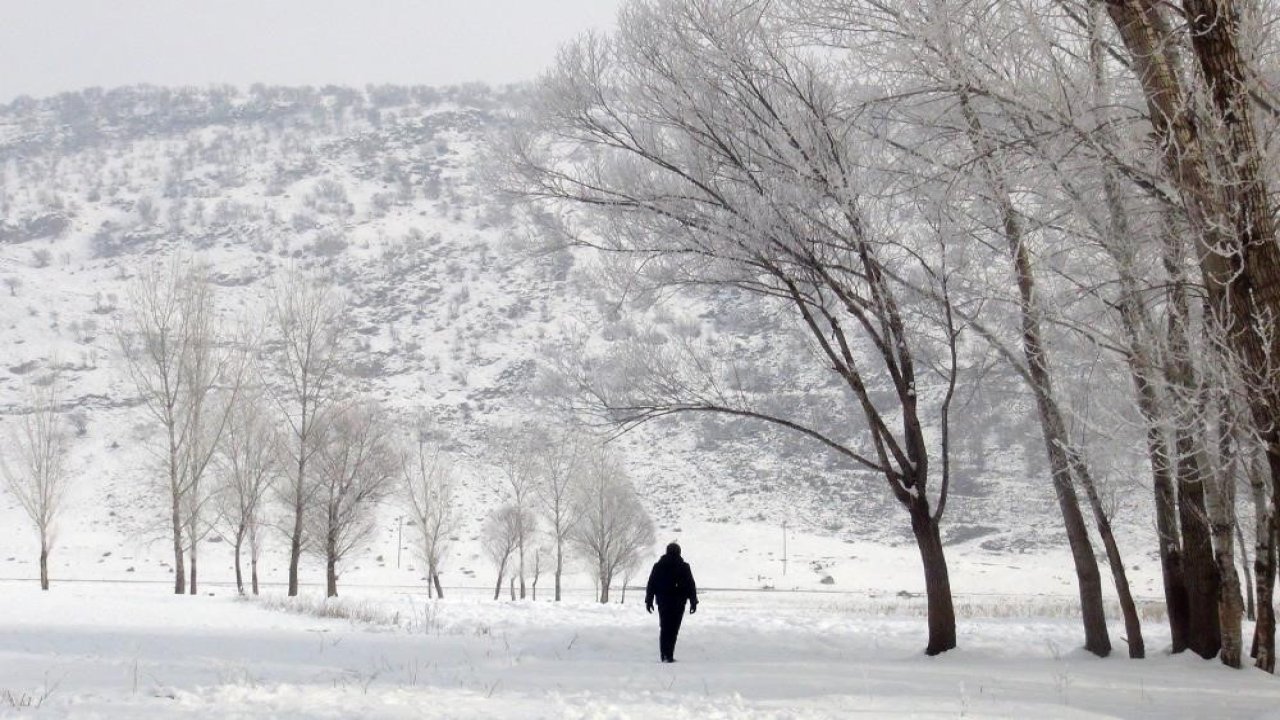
(721, 159)
(516, 451)
(35, 465)
(500, 537)
(428, 487)
(560, 464)
(355, 468)
(614, 528)
(248, 460)
(172, 354)
(307, 315)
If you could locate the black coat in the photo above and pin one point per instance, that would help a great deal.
(671, 582)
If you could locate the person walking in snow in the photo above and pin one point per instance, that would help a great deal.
(671, 584)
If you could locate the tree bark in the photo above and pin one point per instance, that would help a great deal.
(44, 565)
(253, 573)
(295, 538)
(239, 574)
(1264, 639)
(179, 565)
(1203, 632)
(937, 581)
(559, 565)
(191, 586)
(1263, 647)
(1192, 468)
(435, 577)
(331, 576)
(1132, 623)
(497, 588)
(1250, 610)
(1221, 504)
(521, 568)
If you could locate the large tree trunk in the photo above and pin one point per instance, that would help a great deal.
(179, 564)
(44, 564)
(331, 575)
(1093, 613)
(937, 581)
(1221, 504)
(521, 568)
(239, 574)
(605, 582)
(1132, 623)
(559, 566)
(497, 588)
(1250, 610)
(435, 577)
(1203, 633)
(191, 586)
(295, 538)
(1264, 638)
(253, 573)
(1231, 602)
(1192, 467)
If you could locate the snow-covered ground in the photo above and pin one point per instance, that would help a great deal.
(95, 650)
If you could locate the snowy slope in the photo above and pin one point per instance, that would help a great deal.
(375, 189)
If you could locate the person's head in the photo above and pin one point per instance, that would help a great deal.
(673, 549)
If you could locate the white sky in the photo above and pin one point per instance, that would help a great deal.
(48, 46)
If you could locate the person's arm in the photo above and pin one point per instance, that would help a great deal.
(649, 589)
(693, 591)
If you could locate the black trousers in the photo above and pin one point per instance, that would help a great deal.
(669, 617)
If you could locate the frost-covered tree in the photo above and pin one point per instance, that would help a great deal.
(501, 536)
(355, 468)
(34, 464)
(517, 452)
(307, 316)
(613, 529)
(722, 160)
(560, 465)
(1199, 68)
(248, 461)
(428, 485)
(188, 380)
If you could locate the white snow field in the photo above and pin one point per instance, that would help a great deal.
(112, 650)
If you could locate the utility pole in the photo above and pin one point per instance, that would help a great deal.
(784, 547)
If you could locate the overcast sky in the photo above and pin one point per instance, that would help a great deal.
(48, 46)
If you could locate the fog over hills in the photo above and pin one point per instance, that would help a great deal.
(457, 307)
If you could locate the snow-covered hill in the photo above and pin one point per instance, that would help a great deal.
(376, 189)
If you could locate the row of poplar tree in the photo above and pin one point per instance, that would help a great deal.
(916, 183)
